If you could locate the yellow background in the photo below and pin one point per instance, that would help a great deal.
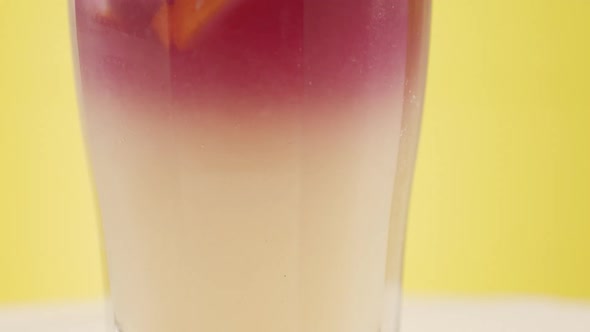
(502, 193)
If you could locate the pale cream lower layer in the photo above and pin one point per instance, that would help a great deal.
(260, 223)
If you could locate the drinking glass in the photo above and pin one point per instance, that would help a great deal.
(252, 158)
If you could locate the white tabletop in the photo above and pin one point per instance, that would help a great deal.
(419, 315)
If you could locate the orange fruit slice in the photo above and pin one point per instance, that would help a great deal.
(177, 22)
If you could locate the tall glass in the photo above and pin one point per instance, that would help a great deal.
(252, 158)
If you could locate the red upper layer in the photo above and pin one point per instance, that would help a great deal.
(263, 49)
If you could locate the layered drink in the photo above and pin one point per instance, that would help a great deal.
(252, 158)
